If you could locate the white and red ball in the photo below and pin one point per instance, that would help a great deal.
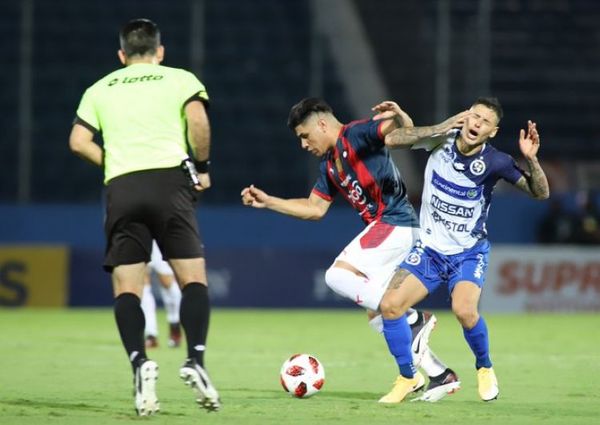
(302, 375)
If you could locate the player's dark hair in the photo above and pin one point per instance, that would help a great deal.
(303, 109)
(139, 37)
(493, 103)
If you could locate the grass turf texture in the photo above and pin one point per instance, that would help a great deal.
(68, 367)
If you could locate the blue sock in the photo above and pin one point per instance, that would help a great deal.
(398, 336)
(477, 338)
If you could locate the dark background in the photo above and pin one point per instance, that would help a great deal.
(544, 64)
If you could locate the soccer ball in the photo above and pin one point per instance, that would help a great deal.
(302, 375)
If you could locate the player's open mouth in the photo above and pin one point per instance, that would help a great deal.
(472, 134)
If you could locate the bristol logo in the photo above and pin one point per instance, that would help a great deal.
(477, 167)
(413, 259)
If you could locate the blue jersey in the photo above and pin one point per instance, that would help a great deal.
(361, 169)
(458, 191)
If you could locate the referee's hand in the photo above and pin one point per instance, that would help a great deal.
(204, 179)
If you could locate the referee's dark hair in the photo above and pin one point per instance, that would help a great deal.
(303, 109)
(139, 37)
(493, 103)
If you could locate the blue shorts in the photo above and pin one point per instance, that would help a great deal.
(433, 268)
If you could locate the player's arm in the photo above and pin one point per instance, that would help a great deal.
(408, 136)
(312, 208)
(533, 182)
(199, 137)
(81, 143)
(392, 116)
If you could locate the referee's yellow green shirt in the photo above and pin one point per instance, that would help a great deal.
(140, 111)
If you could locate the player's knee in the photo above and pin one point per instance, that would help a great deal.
(466, 315)
(392, 307)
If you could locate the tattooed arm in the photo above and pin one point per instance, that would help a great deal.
(534, 182)
(407, 136)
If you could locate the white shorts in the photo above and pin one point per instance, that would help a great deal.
(376, 252)
(157, 264)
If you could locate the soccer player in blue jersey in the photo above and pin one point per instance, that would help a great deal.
(356, 163)
(460, 176)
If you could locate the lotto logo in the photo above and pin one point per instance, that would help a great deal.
(129, 80)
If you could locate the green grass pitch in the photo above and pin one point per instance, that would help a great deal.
(67, 367)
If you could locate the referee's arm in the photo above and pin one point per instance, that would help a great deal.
(81, 142)
(198, 129)
(199, 138)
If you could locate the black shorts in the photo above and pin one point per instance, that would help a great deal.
(146, 205)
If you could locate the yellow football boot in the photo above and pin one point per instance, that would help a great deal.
(402, 387)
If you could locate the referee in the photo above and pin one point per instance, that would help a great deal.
(147, 113)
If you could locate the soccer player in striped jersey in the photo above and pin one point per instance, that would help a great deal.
(356, 163)
(460, 176)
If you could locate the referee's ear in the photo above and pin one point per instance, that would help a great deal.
(160, 53)
(122, 57)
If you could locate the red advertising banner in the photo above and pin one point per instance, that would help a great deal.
(562, 278)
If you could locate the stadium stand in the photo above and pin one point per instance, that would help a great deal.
(254, 73)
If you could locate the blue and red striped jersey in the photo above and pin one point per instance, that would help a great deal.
(361, 169)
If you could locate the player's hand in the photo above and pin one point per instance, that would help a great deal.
(529, 142)
(254, 197)
(386, 109)
(456, 121)
(389, 109)
(204, 179)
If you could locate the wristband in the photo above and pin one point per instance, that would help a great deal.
(202, 166)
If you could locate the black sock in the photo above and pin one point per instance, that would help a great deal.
(194, 314)
(131, 322)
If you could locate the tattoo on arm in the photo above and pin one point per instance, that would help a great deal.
(535, 182)
(406, 136)
(398, 278)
